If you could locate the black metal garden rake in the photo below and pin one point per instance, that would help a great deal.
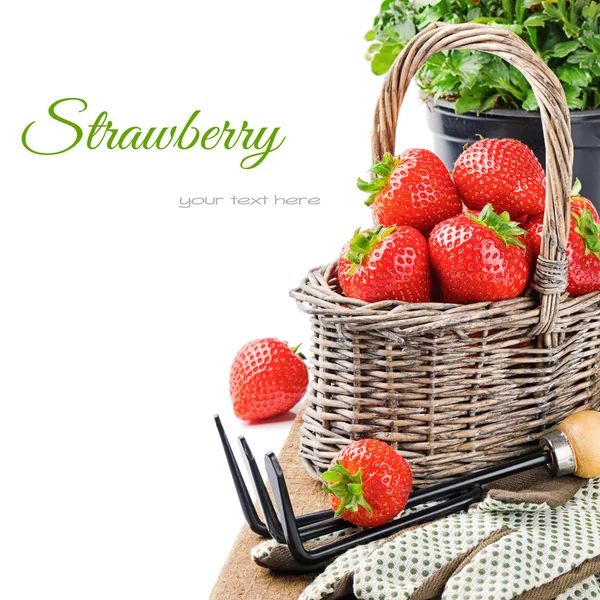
(448, 497)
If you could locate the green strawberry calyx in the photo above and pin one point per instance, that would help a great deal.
(383, 170)
(295, 350)
(576, 189)
(589, 231)
(508, 231)
(349, 488)
(363, 243)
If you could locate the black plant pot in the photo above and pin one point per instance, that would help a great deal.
(451, 132)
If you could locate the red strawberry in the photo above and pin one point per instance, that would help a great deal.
(521, 220)
(533, 227)
(267, 378)
(368, 483)
(583, 254)
(413, 189)
(583, 248)
(503, 173)
(386, 264)
(534, 224)
(579, 203)
(480, 257)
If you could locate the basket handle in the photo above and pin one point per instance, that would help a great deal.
(550, 277)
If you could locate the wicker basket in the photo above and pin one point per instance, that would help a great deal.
(455, 387)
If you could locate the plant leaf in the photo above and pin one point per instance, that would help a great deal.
(573, 75)
(564, 33)
(467, 103)
(536, 20)
(563, 49)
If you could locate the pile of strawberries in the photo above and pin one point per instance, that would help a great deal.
(470, 237)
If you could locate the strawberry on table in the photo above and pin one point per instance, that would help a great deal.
(480, 257)
(386, 264)
(267, 378)
(503, 173)
(413, 189)
(368, 483)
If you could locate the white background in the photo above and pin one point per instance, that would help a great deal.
(121, 312)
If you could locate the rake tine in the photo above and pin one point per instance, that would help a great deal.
(332, 549)
(317, 523)
(250, 514)
(284, 505)
(252, 519)
(268, 510)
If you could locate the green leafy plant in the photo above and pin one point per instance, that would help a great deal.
(564, 33)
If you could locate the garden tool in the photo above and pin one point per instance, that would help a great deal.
(572, 448)
(309, 526)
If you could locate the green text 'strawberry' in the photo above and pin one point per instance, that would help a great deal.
(480, 257)
(412, 189)
(386, 264)
(368, 483)
(503, 173)
(267, 378)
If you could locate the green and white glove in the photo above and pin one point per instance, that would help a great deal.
(526, 540)
(542, 546)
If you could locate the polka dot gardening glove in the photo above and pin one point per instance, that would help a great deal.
(531, 512)
(542, 547)
(495, 551)
(586, 590)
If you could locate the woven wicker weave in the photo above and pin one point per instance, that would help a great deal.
(455, 387)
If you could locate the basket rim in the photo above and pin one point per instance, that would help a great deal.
(316, 296)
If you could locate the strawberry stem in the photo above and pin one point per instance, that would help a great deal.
(346, 486)
(363, 243)
(295, 349)
(383, 170)
(508, 231)
(589, 232)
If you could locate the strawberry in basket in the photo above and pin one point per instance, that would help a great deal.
(534, 224)
(413, 189)
(386, 264)
(579, 203)
(503, 173)
(480, 257)
(583, 244)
